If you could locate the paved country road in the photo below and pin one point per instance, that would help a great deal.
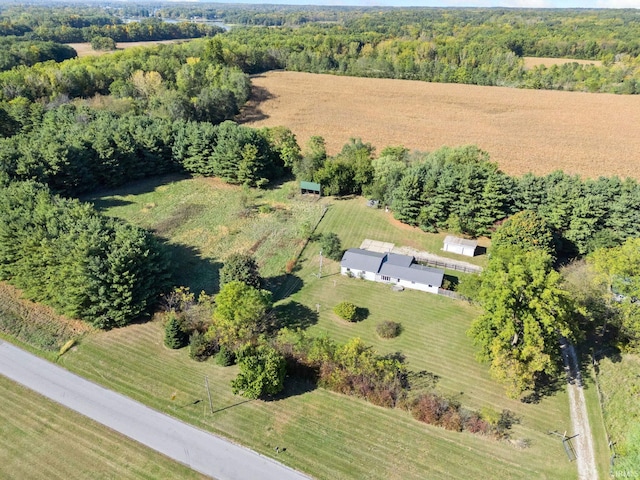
(202, 451)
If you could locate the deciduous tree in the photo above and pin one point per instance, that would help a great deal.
(525, 312)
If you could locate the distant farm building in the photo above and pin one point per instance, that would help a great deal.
(310, 187)
(391, 268)
(461, 246)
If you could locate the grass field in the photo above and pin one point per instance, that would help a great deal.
(328, 435)
(619, 377)
(206, 220)
(40, 439)
(523, 130)
(531, 62)
(85, 50)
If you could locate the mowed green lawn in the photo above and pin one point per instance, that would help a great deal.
(354, 221)
(40, 439)
(327, 435)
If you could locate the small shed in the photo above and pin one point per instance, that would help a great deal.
(310, 187)
(461, 246)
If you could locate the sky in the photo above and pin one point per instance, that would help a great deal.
(459, 3)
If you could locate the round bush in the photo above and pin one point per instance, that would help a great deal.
(346, 311)
(388, 329)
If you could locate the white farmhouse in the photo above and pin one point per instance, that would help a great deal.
(391, 268)
(459, 245)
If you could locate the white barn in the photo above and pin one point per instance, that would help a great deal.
(391, 268)
(460, 246)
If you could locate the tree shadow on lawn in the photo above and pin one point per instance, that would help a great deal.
(188, 268)
(546, 386)
(283, 286)
(293, 386)
(293, 315)
(137, 187)
(362, 313)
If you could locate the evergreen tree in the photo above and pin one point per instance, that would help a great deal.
(174, 336)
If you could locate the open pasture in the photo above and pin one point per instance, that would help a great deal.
(524, 131)
(85, 50)
(532, 62)
(204, 220)
(327, 435)
(40, 439)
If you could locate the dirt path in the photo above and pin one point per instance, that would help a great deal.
(583, 441)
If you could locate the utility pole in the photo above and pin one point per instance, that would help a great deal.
(206, 382)
(320, 272)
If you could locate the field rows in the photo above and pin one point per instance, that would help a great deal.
(522, 130)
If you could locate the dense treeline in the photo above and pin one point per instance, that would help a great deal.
(62, 253)
(473, 46)
(16, 51)
(460, 190)
(145, 30)
(81, 24)
(177, 81)
(559, 33)
(77, 149)
(454, 58)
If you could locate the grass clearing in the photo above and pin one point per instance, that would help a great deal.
(596, 422)
(532, 62)
(86, 50)
(619, 378)
(327, 435)
(36, 324)
(205, 220)
(40, 439)
(523, 130)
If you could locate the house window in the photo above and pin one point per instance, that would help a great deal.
(430, 286)
(385, 278)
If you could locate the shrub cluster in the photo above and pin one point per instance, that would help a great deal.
(347, 311)
(388, 329)
(352, 368)
(443, 412)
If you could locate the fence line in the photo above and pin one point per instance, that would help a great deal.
(450, 294)
(450, 266)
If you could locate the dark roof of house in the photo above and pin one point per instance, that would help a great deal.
(399, 260)
(391, 265)
(451, 240)
(360, 259)
(415, 273)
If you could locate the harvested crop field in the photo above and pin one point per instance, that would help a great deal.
(523, 130)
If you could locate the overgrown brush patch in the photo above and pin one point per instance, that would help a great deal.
(36, 324)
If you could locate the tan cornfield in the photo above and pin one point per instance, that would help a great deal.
(523, 130)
